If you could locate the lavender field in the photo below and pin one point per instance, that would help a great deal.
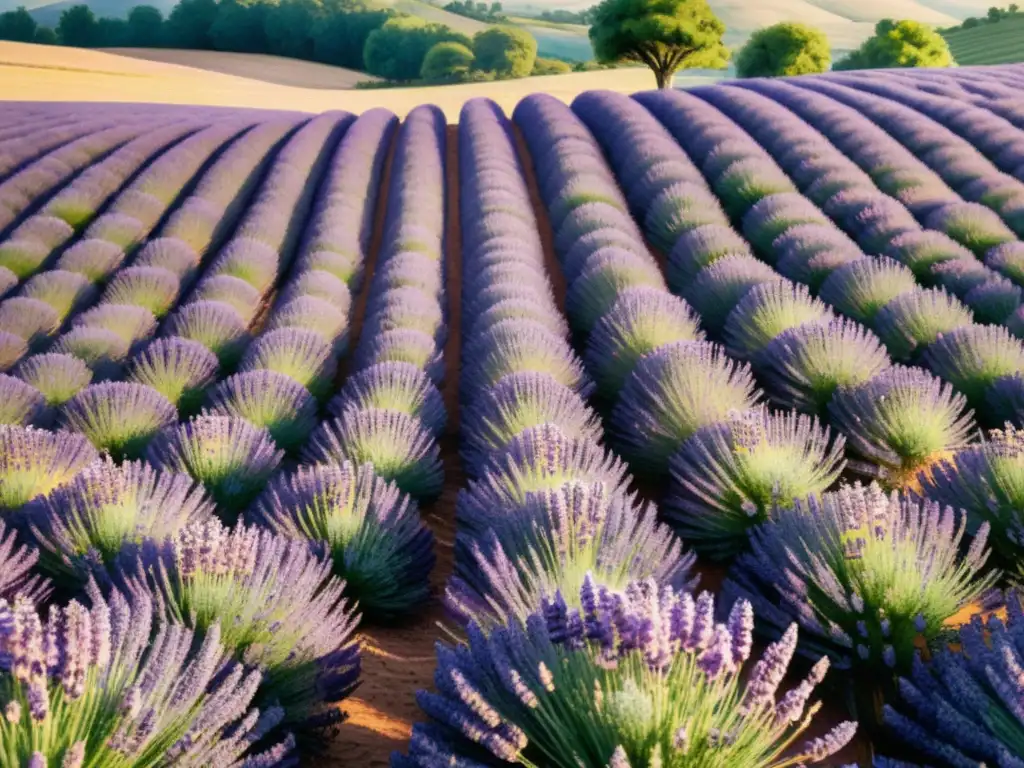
(688, 425)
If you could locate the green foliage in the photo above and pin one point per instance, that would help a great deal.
(45, 36)
(78, 27)
(550, 67)
(506, 51)
(289, 28)
(111, 33)
(339, 38)
(145, 25)
(585, 16)
(446, 62)
(479, 11)
(784, 49)
(899, 44)
(18, 26)
(190, 23)
(240, 27)
(665, 35)
(396, 51)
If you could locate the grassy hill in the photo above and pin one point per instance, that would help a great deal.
(1001, 42)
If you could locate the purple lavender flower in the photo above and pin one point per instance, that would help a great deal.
(345, 267)
(378, 544)
(312, 314)
(270, 400)
(606, 278)
(678, 209)
(505, 695)
(516, 346)
(250, 260)
(405, 308)
(923, 249)
(322, 285)
(974, 357)
(717, 289)
(1008, 260)
(728, 477)
(101, 350)
(767, 310)
(860, 289)
(639, 322)
(131, 323)
(230, 290)
(396, 387)
(64, 291)
(271, 600)
(31, 319)
(114, 683)
(959, 276)
(904, 420)
(120, 229)
(861, 572)
(995, 300)
(912, 321)
(171, 254)
(105, 510)
(95, 259)
(33, 462)
(699, 248)
(20, 403)
(674, 391)
(521, 401)
(413, 347)
(974, 226)
(153, 288)
(23, 257)
(546, 546)
(952, 709)
(178, 369)
(773, 215)
(231, 458)
(213, 324)
(117, 417)
(397, 444)
(804, 366)
(12, 349)
(18, 574)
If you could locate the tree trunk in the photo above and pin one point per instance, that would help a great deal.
(664, 78)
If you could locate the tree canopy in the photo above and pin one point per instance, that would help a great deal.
(78, 27)
(396, 51)
(665, 35)
(785, 49)
(506, 51)
(446, 61)
(18, 25)
(899, 44)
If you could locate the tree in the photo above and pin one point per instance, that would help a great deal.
(994, 14)
(665, 35)
(145, 26)
(190, 23)
(77, 27)
(396, 51)
(970, 23)
(1012, 8)
(111, 33)
(506, 51)
(551, 67)
(45, 36)
(446, 62)
(289, 27)
(495, 9)
(240, 27)
(785, 49)
(339, 38)
(899, 44)
(18, 25)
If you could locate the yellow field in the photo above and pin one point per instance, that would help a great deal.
(42, 73)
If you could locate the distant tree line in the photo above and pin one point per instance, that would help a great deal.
(585, 17)
(994, 14)
(344, 33)
(491, 13)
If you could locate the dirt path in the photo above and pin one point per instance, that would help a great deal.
(399, 660)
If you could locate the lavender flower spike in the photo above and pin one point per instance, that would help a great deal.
(112, 684)
(18, 575)
(33, 462)
(633, 677)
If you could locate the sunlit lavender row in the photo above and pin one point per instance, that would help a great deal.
(762, 339)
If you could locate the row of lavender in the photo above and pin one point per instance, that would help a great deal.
(274, 600)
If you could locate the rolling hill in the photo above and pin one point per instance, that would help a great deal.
(1001, 42)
